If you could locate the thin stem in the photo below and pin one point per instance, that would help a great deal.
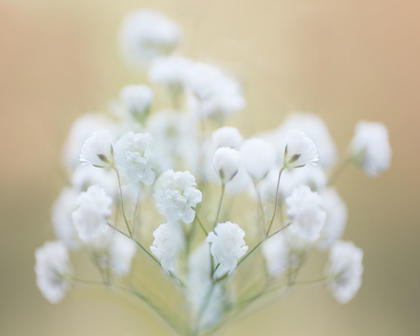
(201, 225)
(135, 212)
(337, 172)
(122, 203)
(87, 282)
(220, 205)
(259, 199)
(275, 204)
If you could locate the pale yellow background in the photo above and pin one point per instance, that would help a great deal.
(344, 60)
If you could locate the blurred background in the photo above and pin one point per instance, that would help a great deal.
(343, 60)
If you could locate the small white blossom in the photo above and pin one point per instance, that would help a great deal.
(90, 217)
(61, 218)
(168, 244)
(171, 71)
(305, 213)
(299, 150)
(227, 246)
(276, 254)
(146, 34)
(226, 137)
(370, 148)
(217, 94)
(226, 162)
(86, 176)
(52, 268)
(345, 269)
(134, 155)
(336, 220)
(121, 253)
(258, 157)
(97, 150)
(135, 101)
(176, 196)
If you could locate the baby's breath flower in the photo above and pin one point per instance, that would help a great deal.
(304, 211)
(258, 157)
(93, 210)
(146, 34)
(86, 176)
(336, 220)
(98, 151)
(276, 254)
(227, 246)
(52, 270)
(135, 157)
(61, 218)
(226, 137)
(370, 148)
(345, 270)
(168, 244)
(135, 101)
(226, 162)
(176, 196)
(299, 150)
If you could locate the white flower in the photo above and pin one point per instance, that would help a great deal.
(226, 162)
(86, 176)
(370, 148)
(346, 268)
(227, 246)
(172, 71)
(316, 130)
(299, 150)
(336, 220)
(176, 195)
(168, 244)
(146, 34)
(258, 157)
(276, 254)
(97, 150)
(240, 182)
(217, 94)
(121, 253)
(135, 101)
(134, 155)
(52, 268)
(80, 131)
(305, 214)
(61, 218)
(90, 217)
(226, 137)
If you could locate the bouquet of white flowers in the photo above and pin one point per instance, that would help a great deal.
(175, 169)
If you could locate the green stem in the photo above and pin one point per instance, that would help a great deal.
(337, 172)
(259, 199)
(201, 225)
(220, 205)
(275, 204)
(122, 203)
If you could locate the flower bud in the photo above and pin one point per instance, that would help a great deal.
(226, 162)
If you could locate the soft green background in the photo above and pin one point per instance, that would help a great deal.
(344, 60)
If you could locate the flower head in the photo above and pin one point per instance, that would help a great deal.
(98, 151)
(135, 101)
(227, 246)
(146, 34)
(345, 269)
(226, 137)
(93, 210)
(86, 176)
(52, 268)
(258, 157)
(176, 196)
(370, 148)
(305, 213)
(121, 252)
(134, 155)
(171, 71)
(168, 244)
(226, 162)
(299, 150)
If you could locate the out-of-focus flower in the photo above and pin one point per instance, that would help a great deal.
(80, 131)
(345, 270)
(370, 148)
(135, 101)
(258, 157)
(52, 269)
(276, 254)
(145, 35)
(227, 246)
(226, 137)
(86, 176)
(226, 162)
(315, 128)
(304, 211)
(336, 220)
(217, 94)
(168, 244)
(61, 218)
(121, 253)
(98, 151)
(135, 157)
(299, 150)
(176, 196)
(93, 210)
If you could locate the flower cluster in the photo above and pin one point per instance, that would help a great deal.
(172, 160)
